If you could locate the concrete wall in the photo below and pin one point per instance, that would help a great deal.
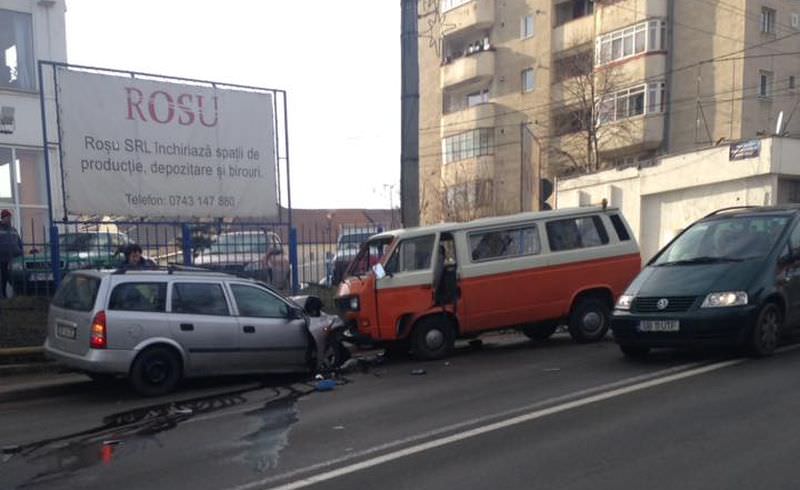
(661, 200)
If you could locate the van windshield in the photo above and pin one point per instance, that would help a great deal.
(370, 254)
(731, 239)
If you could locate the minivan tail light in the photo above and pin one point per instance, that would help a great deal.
(98, 338)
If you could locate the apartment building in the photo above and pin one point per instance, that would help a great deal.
(29, 30)
(512, 91)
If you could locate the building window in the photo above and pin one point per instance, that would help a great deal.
(460, 101)
(477, 98)
(576, 65)
(791, 82)
(23, 190)
(528, 80)
(574, 9)
(641, 38)
(635, 101)
(16, 51)
(765, 85)
(470, 195)
(458, 48)
(470, 144)
(796, 21)
(570, 121)
(451, 4)
(767, 20)
(526, 27)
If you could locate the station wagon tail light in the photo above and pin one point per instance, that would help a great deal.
(98, 335)
(724, 299)
(624, 302)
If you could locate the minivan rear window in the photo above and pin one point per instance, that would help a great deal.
(77, 292)
(619, 227)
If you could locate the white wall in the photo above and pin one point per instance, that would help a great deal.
(658, 201)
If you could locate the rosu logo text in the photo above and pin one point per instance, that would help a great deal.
(163, 108)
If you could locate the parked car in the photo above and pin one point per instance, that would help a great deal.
(33, 273)
(530, 271)
(255, 254)
(156, 327)
(731, 278)
(347, 247)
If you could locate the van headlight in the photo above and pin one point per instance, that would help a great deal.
(17, 265)
(624, 302)
(354, 304)
(723, 299)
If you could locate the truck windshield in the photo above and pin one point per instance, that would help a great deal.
(370, 254)
(731, 239)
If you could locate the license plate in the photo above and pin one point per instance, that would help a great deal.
(42, 276)
(659, 326)
(65, 331)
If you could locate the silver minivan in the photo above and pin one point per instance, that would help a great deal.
(157, 326)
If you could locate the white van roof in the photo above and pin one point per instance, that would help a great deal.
(492, 221)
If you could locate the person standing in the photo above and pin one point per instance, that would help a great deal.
(10, 248)
(135, 260)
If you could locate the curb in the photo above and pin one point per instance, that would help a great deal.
(44, 367)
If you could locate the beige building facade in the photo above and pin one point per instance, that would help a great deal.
(515, 90)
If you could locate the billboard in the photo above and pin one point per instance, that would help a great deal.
(135, 147)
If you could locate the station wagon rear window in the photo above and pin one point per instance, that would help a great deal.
(505, 243)
(574, 233)
(77, 292)
(139, 296)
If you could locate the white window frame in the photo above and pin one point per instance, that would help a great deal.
(766, 83)
(525, 22)
(768, 16)
(654, 94)
(644, 37)
(528, 75)
(795, 20)
(452, 4)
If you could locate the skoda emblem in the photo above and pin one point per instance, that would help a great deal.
(662, 304)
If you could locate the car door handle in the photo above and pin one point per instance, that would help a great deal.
(249, 329)
(187, 327)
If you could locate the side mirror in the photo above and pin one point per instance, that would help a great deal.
(380, 272)
(296, 313)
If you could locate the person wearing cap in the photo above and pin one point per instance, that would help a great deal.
(10, 248)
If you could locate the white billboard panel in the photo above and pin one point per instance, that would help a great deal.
(137, 147)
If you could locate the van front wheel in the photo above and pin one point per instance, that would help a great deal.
(432, 338)
(589, 320)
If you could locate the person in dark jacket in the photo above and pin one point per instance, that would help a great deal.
(10, 248)
(135, 260)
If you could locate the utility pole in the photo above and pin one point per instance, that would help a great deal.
(409, 132)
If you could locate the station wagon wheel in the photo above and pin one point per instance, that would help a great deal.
(156, 371)
(433, 338)
(766, 331)
(589, 319)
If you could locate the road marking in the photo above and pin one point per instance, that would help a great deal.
(509, 418)
(402, 453)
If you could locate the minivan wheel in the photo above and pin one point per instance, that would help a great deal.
(540, 331)
(589, 320)
(156, 371)
(766, 331)
(432, 338)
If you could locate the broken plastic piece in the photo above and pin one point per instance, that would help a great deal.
(326, 385)
(418, 372)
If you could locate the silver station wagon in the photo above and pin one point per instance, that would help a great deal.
(158, 326)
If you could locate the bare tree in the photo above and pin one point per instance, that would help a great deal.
(459, 196)
(588, 113)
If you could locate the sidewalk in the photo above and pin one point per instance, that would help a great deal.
(25, 386)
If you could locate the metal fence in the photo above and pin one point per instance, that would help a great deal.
(288, 259)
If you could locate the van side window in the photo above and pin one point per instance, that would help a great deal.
(513, 242)
(199, 299)
(139, 296)
(619, 227)
(794, 240)
(572, 233)
(412, 255)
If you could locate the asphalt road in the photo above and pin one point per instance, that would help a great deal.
(512, 414)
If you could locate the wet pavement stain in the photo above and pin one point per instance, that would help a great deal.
(59, 460)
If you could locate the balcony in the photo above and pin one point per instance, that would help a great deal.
(623, 13)
(573, 34)
(639, 134)
(473, 68)
(474, 14)
(477, 116)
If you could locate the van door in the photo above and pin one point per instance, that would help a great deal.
(269, 338)
(407, 286)
(789, 275)
(201, 322)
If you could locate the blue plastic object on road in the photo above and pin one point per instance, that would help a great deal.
(326, 385)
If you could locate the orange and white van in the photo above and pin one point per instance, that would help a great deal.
(421, 288)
